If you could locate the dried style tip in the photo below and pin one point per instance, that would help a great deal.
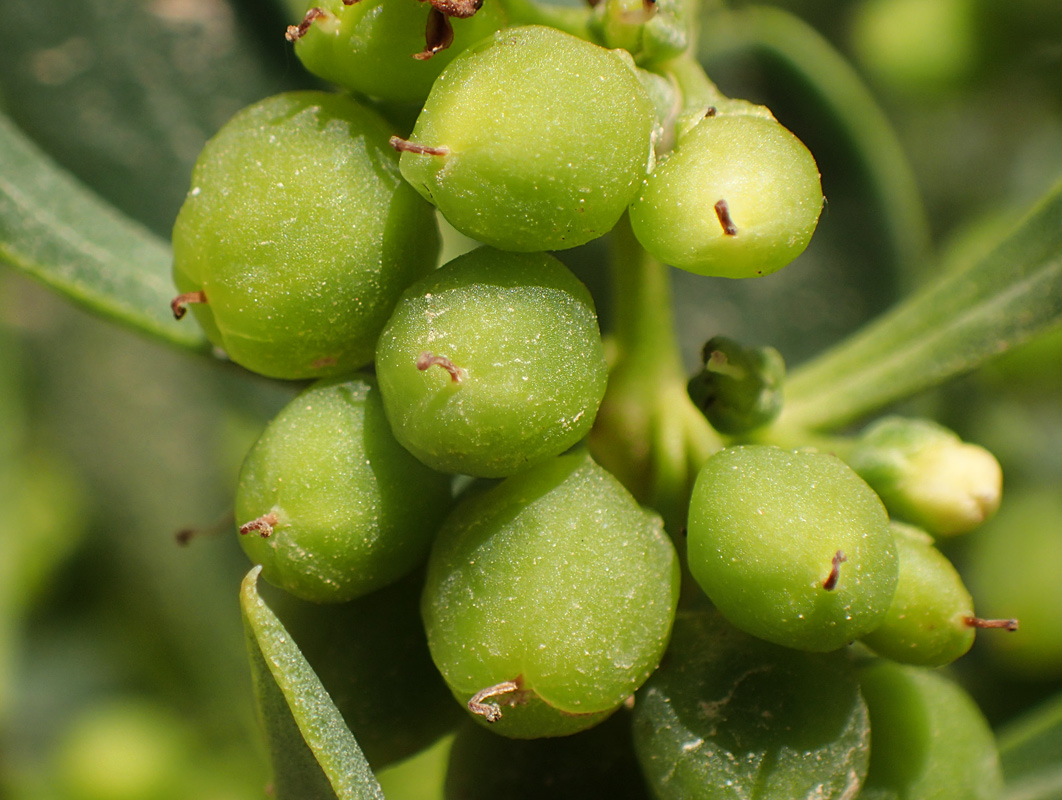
(835, 571)
(438, 35)
(492, 711)
(462, 9)
(179, 304)
(296, 32)
(263, 525)
(427, 359)
(976, 622)
(406, 146)
(722, 211)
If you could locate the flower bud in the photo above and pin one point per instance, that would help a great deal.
(740, 388)
(928, 476)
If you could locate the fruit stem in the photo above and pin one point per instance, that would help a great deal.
(406, 146)
(492, 711)
(296, 32)
(648, 432)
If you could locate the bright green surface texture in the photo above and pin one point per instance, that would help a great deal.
(548, 137)
(730, 717)
(930, 741)
(556, 577)
(523, 330)
(368, 46)
(353, 510)
(765, 528)
(302, 234)
(926, 623)
(766, 177)
(312, 752)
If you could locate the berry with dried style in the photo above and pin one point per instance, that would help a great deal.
(549, 599)
(298, 235)
(739, 197)
(791, 546)
(389, 49)
(532, 140)
(931, 620)
(329, 503)
(492, 363)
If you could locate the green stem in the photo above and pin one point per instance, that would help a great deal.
(951, 327)
(644, 321)
(804, 53)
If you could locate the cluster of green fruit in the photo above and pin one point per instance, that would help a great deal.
(307, 248)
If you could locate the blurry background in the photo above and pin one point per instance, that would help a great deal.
(115, 640)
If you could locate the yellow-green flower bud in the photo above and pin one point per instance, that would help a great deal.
(927, 475)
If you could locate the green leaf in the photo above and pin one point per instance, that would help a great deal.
(1030, 750)
(313, 753)
(951, 327)
(54, 229)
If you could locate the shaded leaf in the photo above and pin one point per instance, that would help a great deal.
(949, 328)
(1030, 750)
(312, 751)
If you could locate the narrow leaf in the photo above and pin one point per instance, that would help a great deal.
(54, 229)
(951, 327)
(313, 753)
(1030, 750)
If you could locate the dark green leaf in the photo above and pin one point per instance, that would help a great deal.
(57, 231)
(312, 751)
(951, 327)
(1030, 750)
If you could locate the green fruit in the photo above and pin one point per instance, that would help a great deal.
(931, 620)
(300, 234)
(738, 198)
(492, 363)
(371, 46)
(929, 739)
(532, 140)
(329, 503)
(729, 717)
(792, 547)
(549, 599)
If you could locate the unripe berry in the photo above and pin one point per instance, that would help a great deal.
(532, 140)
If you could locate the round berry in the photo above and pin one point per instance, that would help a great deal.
(532, 140)
(792, 547)
(329, 503)
(492, 363)
(298, 235)
(549, 599)
(738, 198)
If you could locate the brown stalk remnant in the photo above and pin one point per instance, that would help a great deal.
(722, 210)
(710, 112)
(406, 146)
(462, 9)
(264, 525)
(976, 622)
(427, 360)
(510, 690)
(835, 571)
(438, 35)
(296, 32)
(179, 304)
